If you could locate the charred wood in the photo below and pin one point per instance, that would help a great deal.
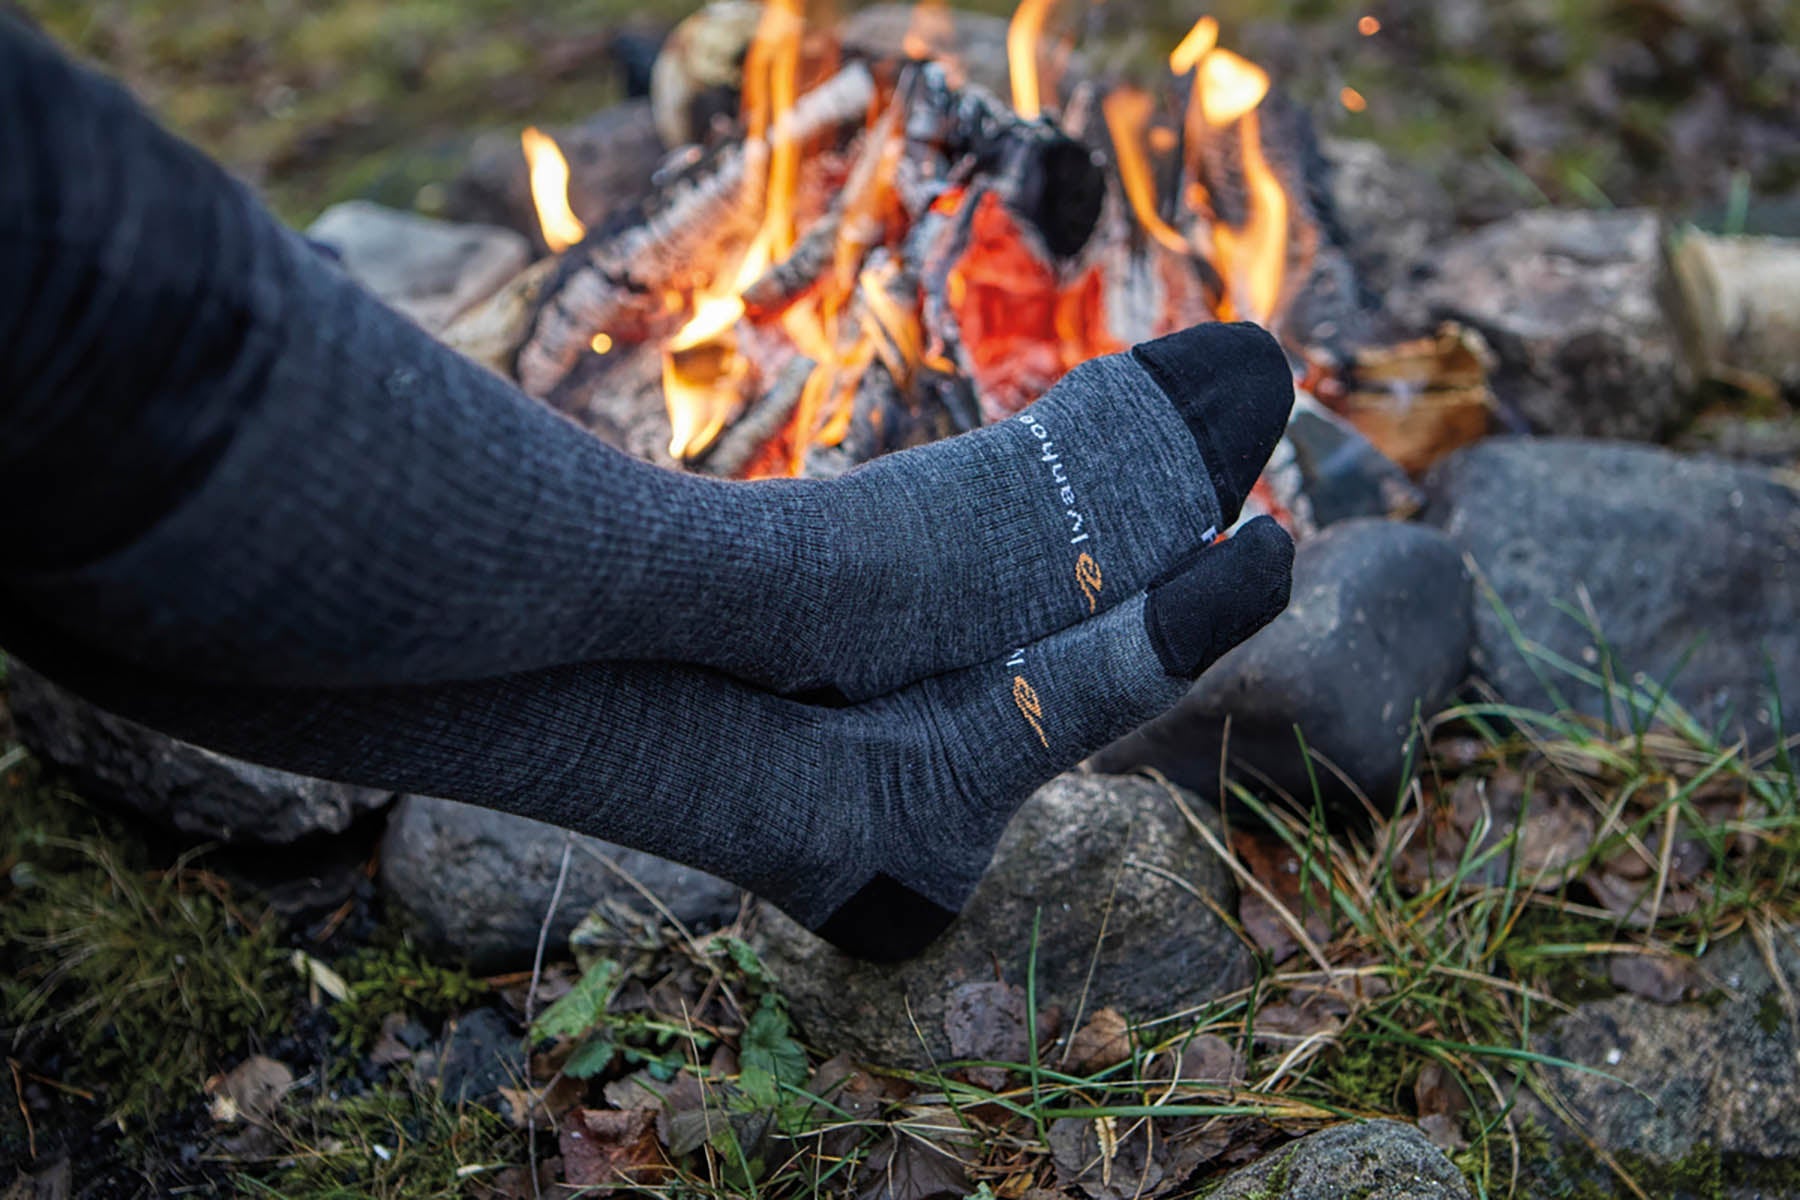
(618, 284)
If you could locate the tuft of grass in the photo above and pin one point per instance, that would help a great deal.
(153, 977)
(396, 1143)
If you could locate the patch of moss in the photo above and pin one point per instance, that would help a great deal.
(1770, 1016)
(1368, 1076)
(398, 979)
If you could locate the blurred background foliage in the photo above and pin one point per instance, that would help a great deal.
(1686, 103)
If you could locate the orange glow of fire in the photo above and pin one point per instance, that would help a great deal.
(1198, 43)
(702, 402)
(549, 172)
(1022, 37)
(1127, 111)
(1353, 100)
(1255, 257)
(1230, 86)
(931, 30)
(1368, 26)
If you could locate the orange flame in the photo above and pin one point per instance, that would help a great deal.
(1022, 37)
(1127, 111)
(702, 401)
(1254, 258)
(1195, 46)
(1230, 87)
(549, 172)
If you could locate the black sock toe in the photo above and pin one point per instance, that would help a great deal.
(1234, 387)
(1220, 597)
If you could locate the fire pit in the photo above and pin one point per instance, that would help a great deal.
(879, 251)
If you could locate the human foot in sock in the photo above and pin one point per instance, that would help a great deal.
(870, 823)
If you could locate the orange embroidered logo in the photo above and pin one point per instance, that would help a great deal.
(1026, 697)
(1087, 574)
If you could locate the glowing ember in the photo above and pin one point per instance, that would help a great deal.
(1368, 26)
(1022, 38)
(1353, 100)
(549, 172)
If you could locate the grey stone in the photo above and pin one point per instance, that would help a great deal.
(1380, 624)
(473, 883)
(1568, 301)
(1393, 215)
(1108, 861)
(432, 271)
(1722, 1074)
(1683, 562)
(478, 1055)
(1374, 1160)
(183, 786)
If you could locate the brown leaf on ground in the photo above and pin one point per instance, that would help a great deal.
(1554, 837)
(987, 1021)
(1105, 1041)
(1436, 1091)
(1277, 868)
(1663, 979)
(389, 1050)
(905, 1168)
(544, 1104)
(250, 1091)
(1209, 1058)
(607, 1147)
(1289, 1025)
(1109, 1158)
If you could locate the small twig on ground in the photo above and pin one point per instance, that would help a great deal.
(537, 972)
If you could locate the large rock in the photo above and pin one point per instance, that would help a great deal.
(432, 271)
(1722, 1074)
(1568, 301)
(1379, 626)
(474, 884)
(1375, 1160)
(1393, 215)
(193, 790)
(1108, 861)
(1686, 563)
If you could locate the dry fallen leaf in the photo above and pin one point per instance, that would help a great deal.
(546, 1104)
(1277, 868)
(604, 1147)
(907, 1168)
(1107, 1160)
(1105, 1041)
(986, 1021)
(250, 1091)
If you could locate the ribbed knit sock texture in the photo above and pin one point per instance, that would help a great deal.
(318, 494)
(871, 823)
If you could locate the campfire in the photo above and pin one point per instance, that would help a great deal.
(878, 252)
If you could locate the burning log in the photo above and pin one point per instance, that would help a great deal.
(761, 423)
(618, 285)
(1736, 303)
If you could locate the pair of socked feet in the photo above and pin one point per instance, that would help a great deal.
(248, 505)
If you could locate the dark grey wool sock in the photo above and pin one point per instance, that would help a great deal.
(870, 823)
(225, 461)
